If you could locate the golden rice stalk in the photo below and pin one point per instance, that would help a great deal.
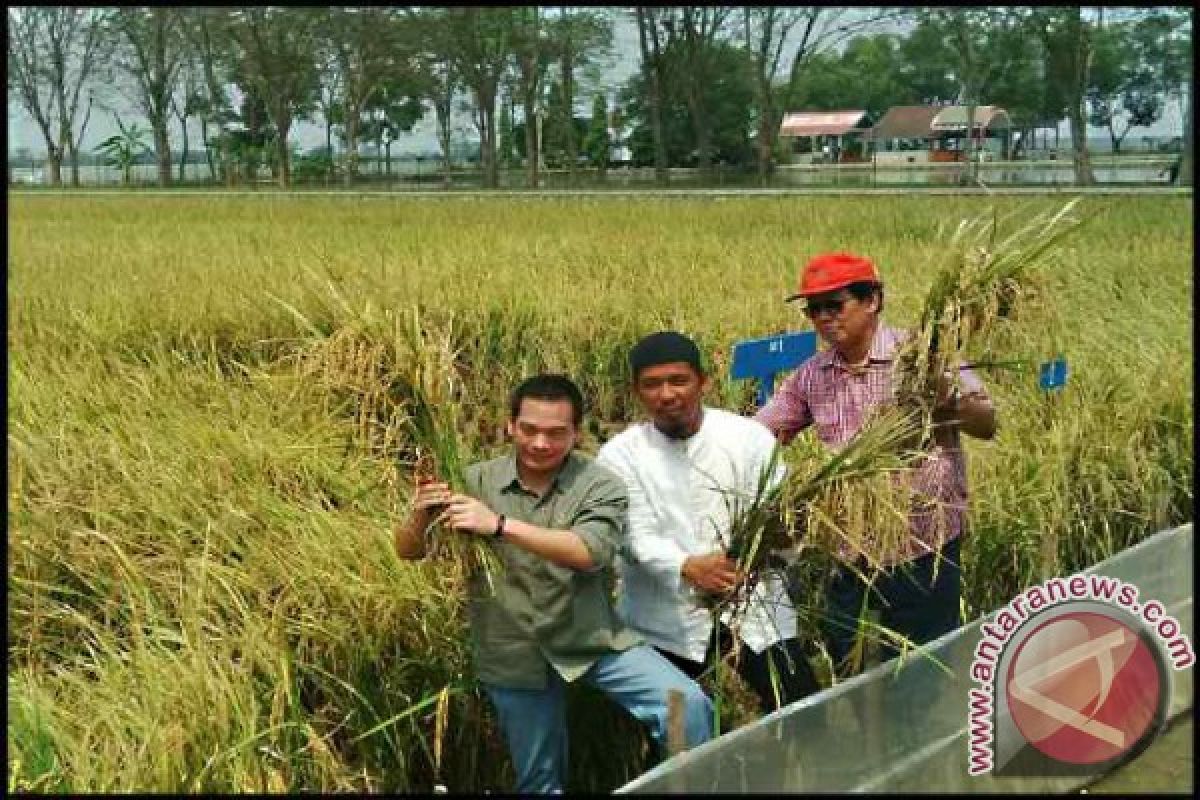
(403, 378)
(432, 396)
(980, 282)
(830, 499)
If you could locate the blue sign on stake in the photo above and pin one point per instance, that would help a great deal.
(764, 358)
(1053, 374)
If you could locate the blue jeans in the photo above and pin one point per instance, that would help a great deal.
(534, 721)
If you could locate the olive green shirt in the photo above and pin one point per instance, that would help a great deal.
(540, 612)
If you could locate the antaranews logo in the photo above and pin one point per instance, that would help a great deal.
(1073, 678)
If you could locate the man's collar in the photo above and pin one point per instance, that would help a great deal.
(510, 478)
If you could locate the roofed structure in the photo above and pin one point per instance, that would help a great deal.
(822, 123)
(906, 122)
(954, 118)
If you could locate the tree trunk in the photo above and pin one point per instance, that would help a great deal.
(1075, 111)
(162, 151)
(227, 165)
(329, 171)
(1079, 151)
(653, 73)
(1184, 178)
(73, 155)
(700, 128)
(487, 138)
(568, 92)
(969, 150)
(283, 125)
(528, 101)
(443, 123)
(351, 126)
(54, 160)
(183, 151)
(208, 156)
(766, 138)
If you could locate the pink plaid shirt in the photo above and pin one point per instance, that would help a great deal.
(824, 392)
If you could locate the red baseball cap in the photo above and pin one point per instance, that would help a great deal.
(829, 272)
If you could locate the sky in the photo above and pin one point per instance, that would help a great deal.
(623, 63)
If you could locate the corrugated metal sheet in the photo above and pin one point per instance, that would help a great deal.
(954, 118)
(821, 123)
(906, 122)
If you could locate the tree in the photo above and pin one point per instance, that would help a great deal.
(729, 99)
(152, 53)
(768, 34)
(394, 109)
(597, 142)
(1164, 37)
(369, 49)
(53, 53)
(1122, 85)
(439, 78)
(561, 141)
(652, 45)
(530, 51)
(329, 101)
(868, 75)
(122, 150)
(481, 49)
(576, 37)
(212, 48)
(277, 49)
(699, 28)
(1066, 42)
(186, 105)
(927, 65)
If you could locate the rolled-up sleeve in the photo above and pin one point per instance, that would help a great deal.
(602, 521)
(787, 412)
(971, 384)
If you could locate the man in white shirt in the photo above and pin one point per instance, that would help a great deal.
(687, 470)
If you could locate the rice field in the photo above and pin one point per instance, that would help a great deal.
(202, 594)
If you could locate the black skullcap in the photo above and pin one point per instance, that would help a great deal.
(664, 347)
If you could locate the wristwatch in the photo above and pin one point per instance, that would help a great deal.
(499, 526)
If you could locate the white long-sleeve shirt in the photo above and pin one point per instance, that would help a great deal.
(681, 497)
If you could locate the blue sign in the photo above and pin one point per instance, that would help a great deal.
(1053, 374)
(762, 359)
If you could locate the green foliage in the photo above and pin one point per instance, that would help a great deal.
(554, 144)
(728, 99)
(1134, 66)
(868, 74)
(597, 142)
(121, 151)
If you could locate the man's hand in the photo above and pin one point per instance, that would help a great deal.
(973, 414)
(468, 514)
(946, 397)
(713, 572)
(431, 498)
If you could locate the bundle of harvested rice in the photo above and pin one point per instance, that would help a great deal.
(980, 283)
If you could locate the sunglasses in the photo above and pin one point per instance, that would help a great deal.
(835, 305)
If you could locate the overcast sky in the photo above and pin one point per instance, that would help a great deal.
(624, 61)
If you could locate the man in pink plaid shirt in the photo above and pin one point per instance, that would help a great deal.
(835, 391)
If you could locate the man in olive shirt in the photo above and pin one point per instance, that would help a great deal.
(557, 520)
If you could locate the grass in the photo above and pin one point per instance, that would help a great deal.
(202, 592)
